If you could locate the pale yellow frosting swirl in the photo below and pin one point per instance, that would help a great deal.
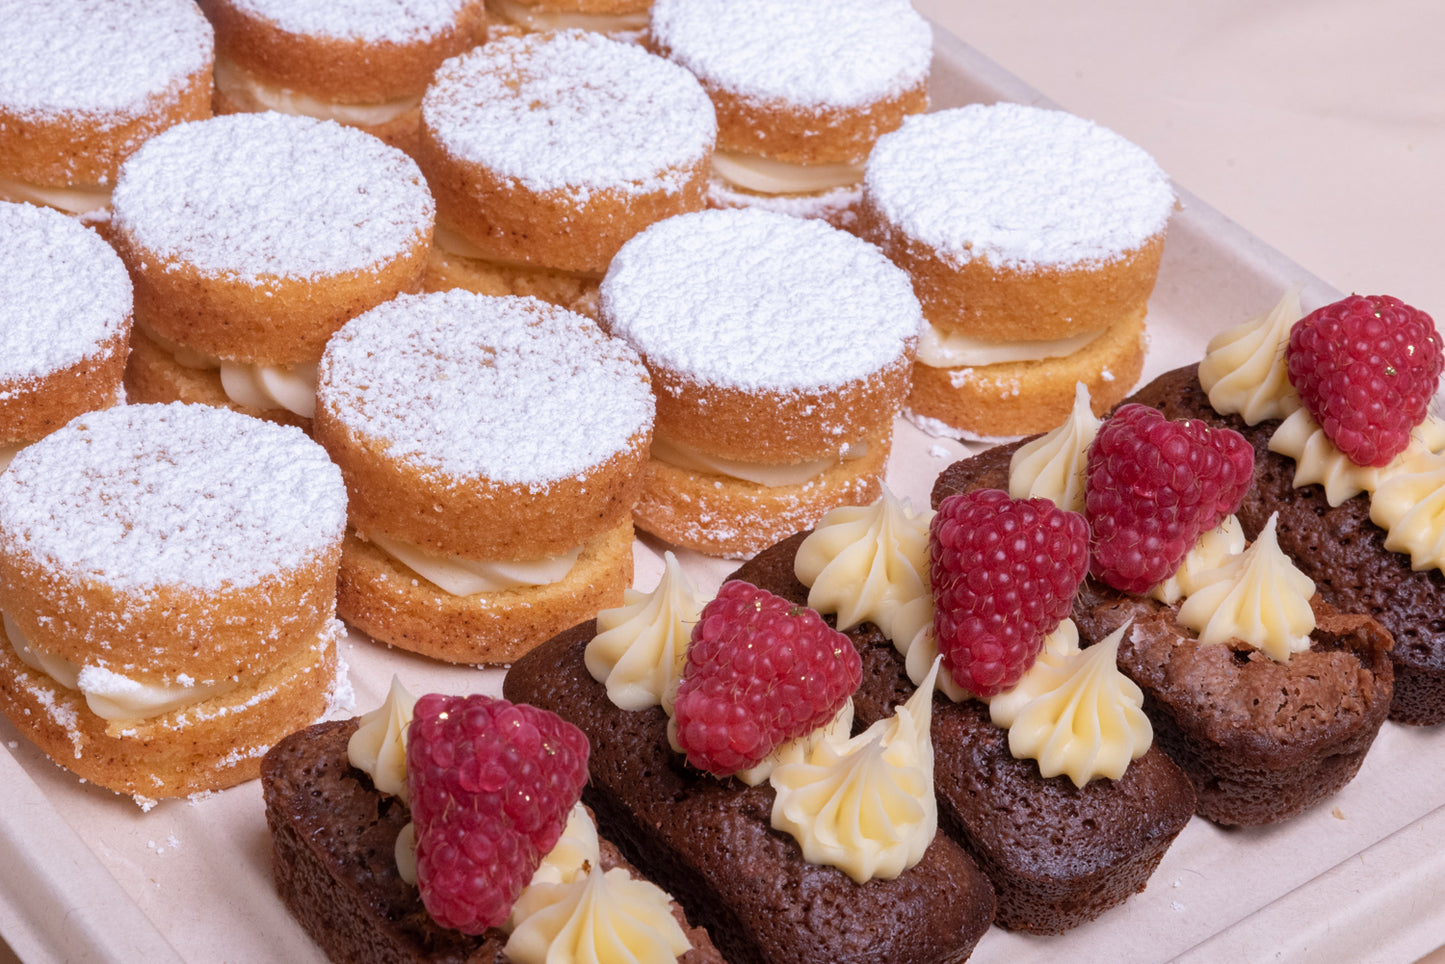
(641, 646)
(1318, 461)
(913, 638)
(862, 563)
(378, 747)
(600, 918)
(575, 851)
(866, 805)
(1074, 712)
(1259, 597)
(1244, 368)
(1410, 507)
(1212, 550)
(791, 751)
(1052, 465)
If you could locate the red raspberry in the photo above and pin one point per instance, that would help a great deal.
(1153, 487)
(760, 671)
(1004, 574)
(1366, 368)
(491, 786)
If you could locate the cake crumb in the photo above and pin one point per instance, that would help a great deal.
(1337, 813)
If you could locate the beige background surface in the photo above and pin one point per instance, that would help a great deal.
(1319, 125)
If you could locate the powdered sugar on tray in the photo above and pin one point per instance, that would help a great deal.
(141, 496)
(396, 21)
(271, 195)
(510, 390)
(759, 301)
(105, 60)
(65, 291)
(573, 112)
(1017, 186)
(808, 53)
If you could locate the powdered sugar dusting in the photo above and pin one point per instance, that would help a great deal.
(63, 292)
(398, 21)
(808, 53)
(759, 301)
(511, 390)
(272, 195)
(574, 112)
(1018, 186)
(105, 59)
(143, 496)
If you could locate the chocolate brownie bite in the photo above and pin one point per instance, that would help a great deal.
(1261, 739)
(1058, 854)
(334, 861)
(1339, 547)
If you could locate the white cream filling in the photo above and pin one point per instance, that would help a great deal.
(684, 457)
(267, 386)
(71, 200)
(255, 386)
(939, 349)
(109, 695)
(247, 90)
(767, 176)
(535, 20)
(467, 577)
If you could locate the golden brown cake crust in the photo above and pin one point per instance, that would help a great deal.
(1040, 303)
(730, 517)
(33, 408)
(808, 135)
(511, 223)
(215, 744)
(775, 426)
(67, 150)
(345, 71)
(278, 321)
(169, 631)
(1021, 398)
(392, 604)
(576, 292)
(478, 518)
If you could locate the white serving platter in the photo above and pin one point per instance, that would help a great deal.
(88, 876)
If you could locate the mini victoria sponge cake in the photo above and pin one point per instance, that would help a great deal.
(63, 343)
(168, 584)
(548, 151)
(1033, 238)
(493, 449)
(779, 350)
(365, 63)
(83, 83)
(802, 89)
(251, 238)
